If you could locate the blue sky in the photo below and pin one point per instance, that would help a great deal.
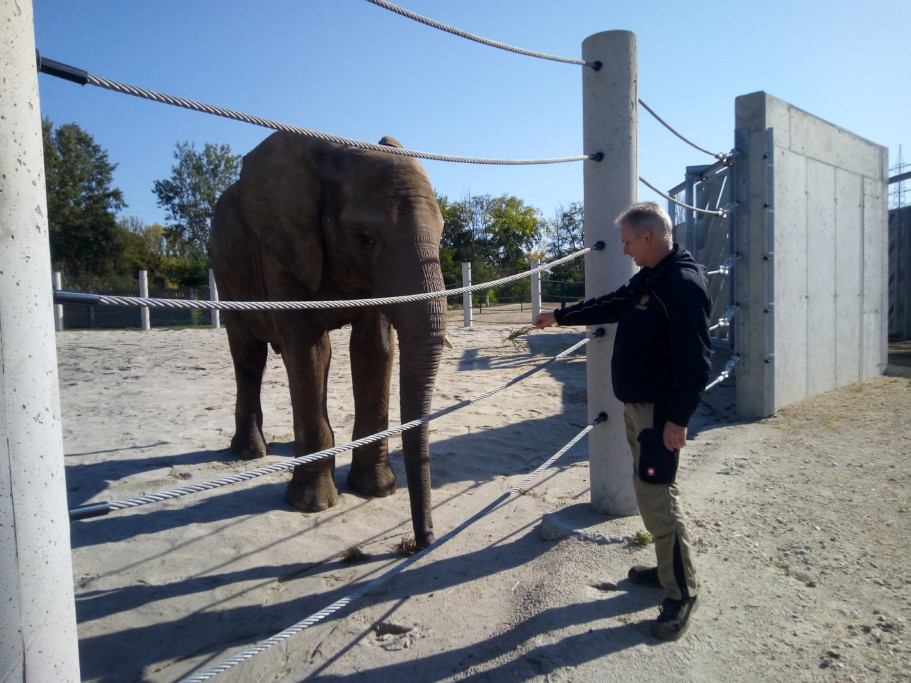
(356, 70)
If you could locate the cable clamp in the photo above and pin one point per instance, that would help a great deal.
(89, 511)
(61, 70)
(61, 297)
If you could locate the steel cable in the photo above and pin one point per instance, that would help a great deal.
(724, 268)
(717, 155)
(726, 372)
(266, 123)
(110, 300)
(478, 39)
(722, 212)
(394, 571)
(725, 320)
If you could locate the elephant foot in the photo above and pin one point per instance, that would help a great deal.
(250, 446)
(311, 495)
(423, 538)
(376, 481)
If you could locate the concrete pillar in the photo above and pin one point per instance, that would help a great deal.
(213, 296)
(144, 294)
(466, 297)
(58, 308)
(610, 126)
(535, 291)
(37, 611)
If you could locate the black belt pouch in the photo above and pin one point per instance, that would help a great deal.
(657, 465)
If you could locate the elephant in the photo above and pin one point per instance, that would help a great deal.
(316, 220)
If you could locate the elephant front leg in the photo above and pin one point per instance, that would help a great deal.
(249, 356)
(312, 486)
(372, 350)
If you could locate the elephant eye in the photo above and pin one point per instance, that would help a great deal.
(366, 241)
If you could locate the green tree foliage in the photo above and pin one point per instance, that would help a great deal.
(142, 247)
(189, 195)
(495, 234)
(81, 203)
(564, 237)
(514, 229)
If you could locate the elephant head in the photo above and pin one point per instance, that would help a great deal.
(322, 221)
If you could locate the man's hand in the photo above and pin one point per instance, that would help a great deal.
(545, 319)
(674, 436)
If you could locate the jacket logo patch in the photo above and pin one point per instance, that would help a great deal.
(643, 303)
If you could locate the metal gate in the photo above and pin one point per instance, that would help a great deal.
(708, 237)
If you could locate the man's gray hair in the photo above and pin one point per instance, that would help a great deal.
(643, 216)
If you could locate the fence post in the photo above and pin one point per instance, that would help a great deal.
(466, 297)
(213, 296)
(144, 294)
(610, 119)
(37, 611)
(58, 308)
(535, 290)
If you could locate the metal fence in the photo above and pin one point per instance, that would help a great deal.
(708, 237)
(900, 273)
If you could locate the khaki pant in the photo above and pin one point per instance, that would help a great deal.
(659, 506)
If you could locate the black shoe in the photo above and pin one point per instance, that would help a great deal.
(644, 576)
(674, 618)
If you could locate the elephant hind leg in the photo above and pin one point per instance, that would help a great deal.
(249, 356)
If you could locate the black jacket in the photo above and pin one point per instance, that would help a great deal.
(661, 348)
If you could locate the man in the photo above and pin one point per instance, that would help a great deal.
(660, 367)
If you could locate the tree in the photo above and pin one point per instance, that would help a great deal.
(189, 195)
(493, 234)
(513, 229)
(81, 203)
(142, 247)
(564, 237)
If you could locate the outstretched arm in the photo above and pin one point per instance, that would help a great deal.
(545, 319)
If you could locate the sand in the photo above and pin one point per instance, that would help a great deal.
(801, 523)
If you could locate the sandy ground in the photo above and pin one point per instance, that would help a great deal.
(801, 523)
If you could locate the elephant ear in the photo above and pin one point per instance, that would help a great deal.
(390, 142)
(280, 195)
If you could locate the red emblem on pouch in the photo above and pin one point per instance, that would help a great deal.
(650, 471)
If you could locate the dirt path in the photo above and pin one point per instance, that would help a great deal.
(801, 523)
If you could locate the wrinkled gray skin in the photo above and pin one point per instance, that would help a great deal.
(314, 220)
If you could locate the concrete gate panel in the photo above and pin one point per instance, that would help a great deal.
(812, 277)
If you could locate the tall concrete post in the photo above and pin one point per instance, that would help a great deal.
(466, 297)
(144, 318)
(37, 610)
(58, 308)
(535, 291)
(213, 296)
(610, 126)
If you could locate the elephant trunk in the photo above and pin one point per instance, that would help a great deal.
(421, 328)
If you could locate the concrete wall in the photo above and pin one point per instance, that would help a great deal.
(812, 279)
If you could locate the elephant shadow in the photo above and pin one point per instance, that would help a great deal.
(511, 449)
(122, 655)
